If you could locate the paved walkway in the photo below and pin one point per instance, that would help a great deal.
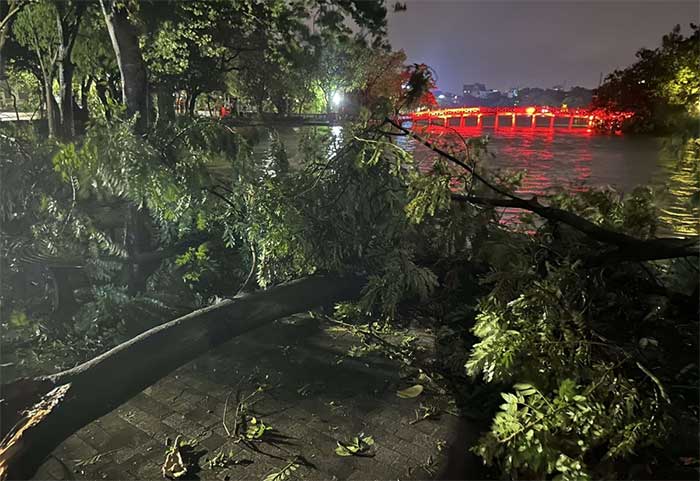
(12, 116)
(319, 395)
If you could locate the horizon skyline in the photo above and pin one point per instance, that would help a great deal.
(539, 62)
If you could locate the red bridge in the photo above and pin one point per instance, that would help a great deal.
(521, 117)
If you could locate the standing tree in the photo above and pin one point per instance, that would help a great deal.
(340, 61)
(662, 87)
(35, 29)
(125, 41)
(68, 17)
(95, 63)
(8, 12)
(49, 30)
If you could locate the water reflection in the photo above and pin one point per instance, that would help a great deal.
(579, 160)
(680, 208)
(576, 160)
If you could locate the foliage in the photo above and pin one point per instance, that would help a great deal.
(418, 80)
(553, 326)
(283, 473)
(360, 445)
(595, 354)
(67, 210)
(662, 87)
(25, 88)
(35, 28)
(339, 63)
(179, 459)
(410, 392)
(225, 459)
(256, 429)
(549, 322)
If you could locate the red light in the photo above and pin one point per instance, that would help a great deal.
(591, 116)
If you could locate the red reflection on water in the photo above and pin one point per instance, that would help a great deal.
(526, 149)
(552, 158)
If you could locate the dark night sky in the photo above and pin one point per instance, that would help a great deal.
(531, 44)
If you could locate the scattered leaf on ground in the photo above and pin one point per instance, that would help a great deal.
(410, 392)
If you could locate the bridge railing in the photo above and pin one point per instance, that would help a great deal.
(574, 118)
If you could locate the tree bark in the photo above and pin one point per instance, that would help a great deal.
(138, 242)
(626, 247)
(101, 89)
(131, 65)
(82, 111)
(192, 103)
(65, 304)
(100, 385)
(4, 14)
(68, 16)
(84, 93)
(51, 106)
(65, 81)
(166, 105)
(4, 84)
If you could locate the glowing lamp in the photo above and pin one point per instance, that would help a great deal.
(530, 110)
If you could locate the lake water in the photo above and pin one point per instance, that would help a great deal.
(579, 159)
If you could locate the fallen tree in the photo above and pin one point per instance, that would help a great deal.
(625, 247)
(66, 401)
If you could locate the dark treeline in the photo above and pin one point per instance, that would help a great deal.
(662, 88)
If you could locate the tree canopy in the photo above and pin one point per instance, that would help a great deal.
(662, 87)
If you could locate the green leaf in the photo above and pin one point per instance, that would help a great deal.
(410, 392)
(525, 389)
(656, 381)
(341, 450)
(282, 474)
(359, 446)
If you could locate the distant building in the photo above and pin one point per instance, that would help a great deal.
(476, 90)
(447, 99)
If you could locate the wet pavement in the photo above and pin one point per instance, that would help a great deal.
(314, 394)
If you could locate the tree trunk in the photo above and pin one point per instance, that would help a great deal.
(101, 89)
(68, 16)
(82, 111)
(51, 106)
(65, 304)
(131, 65)
(100, 385)
(192, 103)
(65, 81)
(84, 94)
(4, 33)
(138, 242)
(166, 104)
(4, 84)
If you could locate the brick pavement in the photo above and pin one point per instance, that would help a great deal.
(319, 395)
